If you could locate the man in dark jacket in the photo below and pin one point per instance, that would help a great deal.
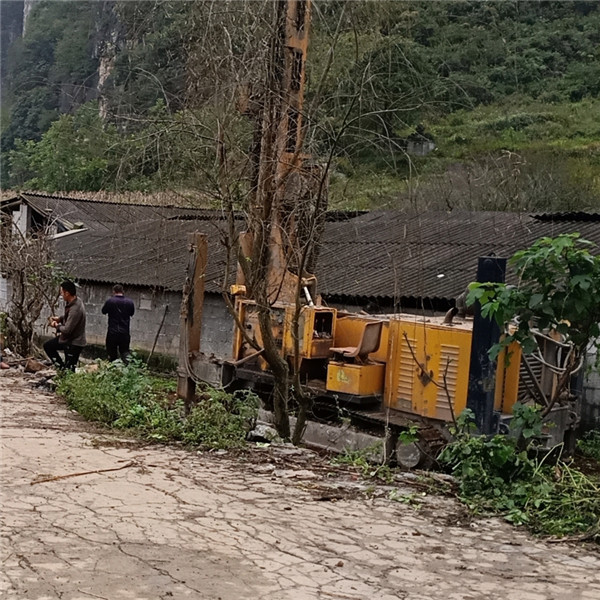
(119, 309)
(70, 329)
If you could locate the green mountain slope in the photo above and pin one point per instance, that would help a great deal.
(507, 91)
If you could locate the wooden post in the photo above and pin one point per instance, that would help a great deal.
(191, 317)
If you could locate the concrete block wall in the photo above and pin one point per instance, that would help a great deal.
(217, 327)
(151, 306)
(590, 409)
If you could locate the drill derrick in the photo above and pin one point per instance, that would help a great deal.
(287, 199)
(389, 373)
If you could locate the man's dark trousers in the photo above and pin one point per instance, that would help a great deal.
(117, 344)
(52, 346)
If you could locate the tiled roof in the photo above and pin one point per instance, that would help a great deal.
(383, 254)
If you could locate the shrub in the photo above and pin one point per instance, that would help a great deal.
(107, 394)
(589, 444)
(128, 397)
(221, 420)
(496, 477)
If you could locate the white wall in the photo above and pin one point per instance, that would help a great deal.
(4, 293)
(21, 218)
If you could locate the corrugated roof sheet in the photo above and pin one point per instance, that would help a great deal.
(384, 254)
(434, 255)
(151, 253)
(106, 216)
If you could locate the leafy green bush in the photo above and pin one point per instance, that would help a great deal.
(128, 397)
(107, 394)
(497, 477)
(589, 444)
(221, 420)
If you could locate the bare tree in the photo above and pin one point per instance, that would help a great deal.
(260, 169)
(27, 262)
(245, 134)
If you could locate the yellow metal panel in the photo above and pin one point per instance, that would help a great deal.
(359, 380)
(507, 378)
(236, 351)
(316, 329)
(453, 373)
(423, 354)
(348, 331)
(237, 290)
(322, 332)
(448, 356)
(381, 354)
(405, 389)
(400, 382)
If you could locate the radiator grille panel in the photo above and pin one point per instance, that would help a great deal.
(404, 391)
(449, 356)
(527, 388)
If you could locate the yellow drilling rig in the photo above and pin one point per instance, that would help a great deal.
(388, 371)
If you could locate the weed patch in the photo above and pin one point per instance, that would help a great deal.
(497, 476)
(363, 462)
(221, 420)
(129, 397)
(589, 444)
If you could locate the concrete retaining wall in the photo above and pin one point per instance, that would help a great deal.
(590, 409)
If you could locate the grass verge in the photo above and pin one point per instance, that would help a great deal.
(128, 397)
(500, 475)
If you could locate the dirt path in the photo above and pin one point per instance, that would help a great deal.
(173, 524)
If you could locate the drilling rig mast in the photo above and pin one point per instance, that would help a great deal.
(287, 195)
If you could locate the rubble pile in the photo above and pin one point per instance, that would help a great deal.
(39, 372)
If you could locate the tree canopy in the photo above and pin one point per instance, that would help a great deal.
(479, 78)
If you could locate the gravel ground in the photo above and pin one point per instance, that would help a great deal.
(88, 514)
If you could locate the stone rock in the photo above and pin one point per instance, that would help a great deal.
(291, 450)
(33, 366)
(46, 373)
(295, 474)
(263, 433)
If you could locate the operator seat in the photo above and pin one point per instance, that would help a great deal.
(369, 342)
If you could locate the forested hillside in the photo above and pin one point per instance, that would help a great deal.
(142, 96)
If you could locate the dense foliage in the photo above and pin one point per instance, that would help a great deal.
(49, 71)
(525, 485)
(558, 290)
(128, 397)
(508, 90)
(589, 444)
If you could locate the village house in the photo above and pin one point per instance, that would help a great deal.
(379, 262)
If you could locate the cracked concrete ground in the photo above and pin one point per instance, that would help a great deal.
(165, 523)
